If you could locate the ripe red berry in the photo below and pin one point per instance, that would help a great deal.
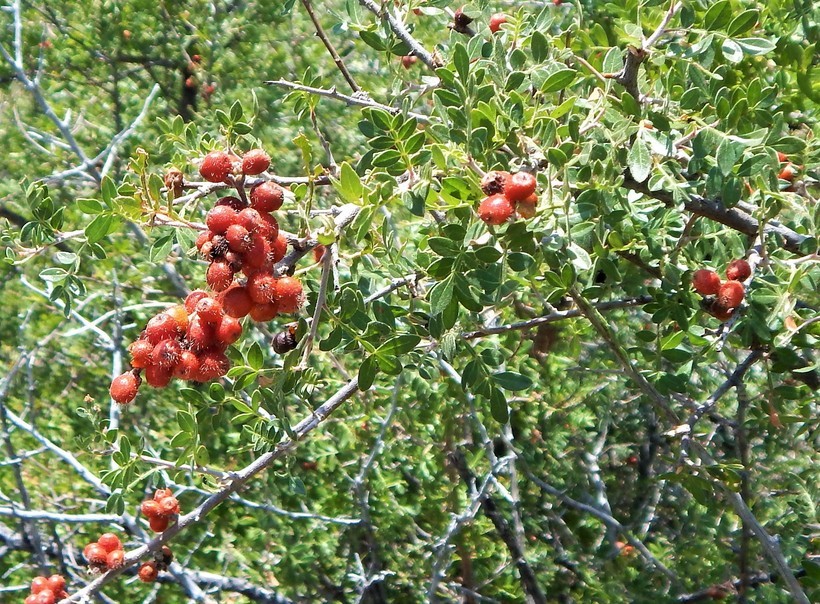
(496, 20)
(203, 238)
(407, 61)
(262, 313)
(219, 276)
(258, 254)
(46, 596)
(115, 559)
(38, 584)
(232, 202)
(94, 553)
(219, 218)
(262, 288)
(782, 157)
(255, 161)
(520, 186)
(166, 354)
(319, 253)
(209, 310)
(279, 248)
(32, 599)
(738, 270)
(188, 366)
(526, 207)
(140, 353)
(200, 335)
(788, 172)
(238, 238)
(250, 219)
(193, 298)
(158, 377)
(212, 364)
(162, 327)
(56, 583)
(150, 508)
(216, 166)
(109, 542)
(229, 331)
(495, 209)
(169, 506)
(288, 294)
(730, 294)
(180, 314)
(158, 524)
(706, 282)
(236, 302)
(148, 571)
(494, 182)
(124, 387)
(268, 226)
(267, 197)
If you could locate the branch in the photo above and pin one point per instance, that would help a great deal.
(326, 41)
(400, 30)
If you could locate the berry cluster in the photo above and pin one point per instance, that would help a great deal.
(506, 194)
(47, 590)
(149, 570)
(727, 295)
(105, 553)
(188, 341)
(160, 509)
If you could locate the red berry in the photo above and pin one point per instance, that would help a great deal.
(520, 186)
(408, 61)
(229, 331)
(262, 313)
(212, 364)
(250, 219)
(216, 166)
(279, 248)
(255, 161)
(262, 288)
(496, 20)
(124, 387)
(95, 553)
(150, 508)
(219, 276)
(220, 218)
(148, 571)
(38, 584)
(32, 599)
(193, 298)
(239, 240)
(209, 310)
(109, 542)
(494, 182)
(46, 596)
(267, 197)
(141, 353)
(232, 202)
(166, 354)
(319, 253)
(730, 294)
(203, 238)
(158, 524)
(188, 366)
(56, 583)
(782, 157)
(115, 559)
(200, 335)
(161, 494)
(162, 327)
(236, 302)
(495, 209)
(738, 270)
(268, 226)
(788, 172)
(526, 207)
(288, 294)
(706, 282)
(158, 377)
(180, 314)
(258, 254)
(169, 506)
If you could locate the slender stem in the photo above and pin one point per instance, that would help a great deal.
(326, 41)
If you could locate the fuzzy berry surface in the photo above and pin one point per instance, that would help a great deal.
(730, 294)
(255, 162)
(520, 186)
(706, 282)
(216, 166)
(267, 197)
(289, 294)
(124, 387)
(495, 209)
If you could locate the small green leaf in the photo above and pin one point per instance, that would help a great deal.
(367, 373)
(756, 46)
(255, 357)
(540, 46)
(98, 228)
(398, 345)
(558, 80)
(743, 22)
(509, 380)
(498, 406)
(461, 60)
(718, 15)
(89, 206)
(639, 160)
(440, 295)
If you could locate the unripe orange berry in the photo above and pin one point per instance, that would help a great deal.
(180, 314)
(115, 559)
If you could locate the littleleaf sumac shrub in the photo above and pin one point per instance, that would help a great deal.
(410, 301)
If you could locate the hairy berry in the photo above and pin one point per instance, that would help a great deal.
(180, 314)
(56, 583)
(193, 298)
(255, 162)
(203, 238)
(250, 219)
(494, 182)
(262, 288)
(166, 354)
(148, 571)
(520, 186)
(238, 238)
(188, 366)
(115, 559)
(496, 20)
(158, 377)
(730, 294)
(738, 270)
(706, 282)
(161, 494)
(95, 553)
(140, 353)
(150, 508)
(279, 248)
(267, 197)
(212, 364)
(169, 506)
(232, 202)
(267, 226)
(262, 313)
(209, 310)
(236, 302)
(229, 331)
(258, 254)
(200, 335)
(219, 276)
(109, 542)
(495, 209)
(124, 387)
(162, 327)
(219, 218)
(288, 294)
(216, 166)
(46, 596)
